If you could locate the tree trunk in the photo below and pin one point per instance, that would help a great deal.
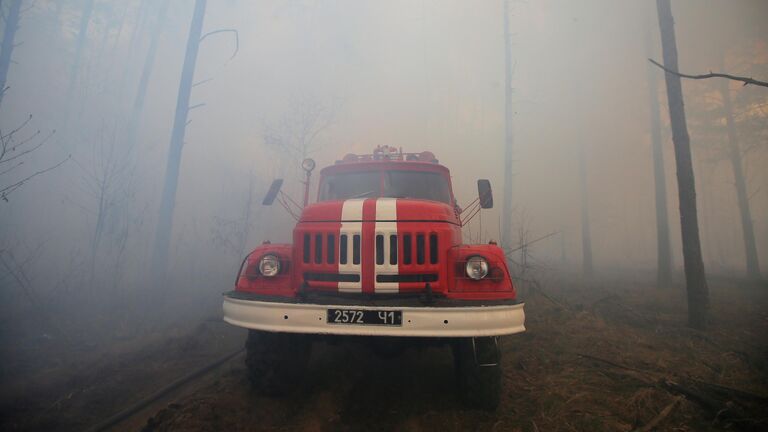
(146, 73)
(11, 25)
(663, 252)
(506, 214)
(734, 153)
(85, 19)
(695, 279)
(168, 201)
(586, 233)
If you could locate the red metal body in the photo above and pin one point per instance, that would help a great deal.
(394, 246)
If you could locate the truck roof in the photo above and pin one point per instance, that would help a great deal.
(390, 157)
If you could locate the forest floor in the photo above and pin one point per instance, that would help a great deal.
(612, 355)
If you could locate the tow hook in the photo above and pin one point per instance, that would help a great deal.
(486, 351)
(428, 298)
(303, 291)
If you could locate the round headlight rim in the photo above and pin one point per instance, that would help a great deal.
(263, 259)
(484, 260)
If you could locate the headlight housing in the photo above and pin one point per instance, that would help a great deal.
(477, 267)
(269, 265)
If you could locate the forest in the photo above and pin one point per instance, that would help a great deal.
(626, 144)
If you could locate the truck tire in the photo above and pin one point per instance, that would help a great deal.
(276, 361)
(478, 370)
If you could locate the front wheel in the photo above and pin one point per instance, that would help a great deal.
(478, 369)
(276, 361)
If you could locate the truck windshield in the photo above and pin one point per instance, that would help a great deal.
(385, 184)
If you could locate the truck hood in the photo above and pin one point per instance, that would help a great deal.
(379, 209)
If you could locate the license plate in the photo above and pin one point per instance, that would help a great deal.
(365, 317)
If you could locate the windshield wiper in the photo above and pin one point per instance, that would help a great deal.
(362, 194)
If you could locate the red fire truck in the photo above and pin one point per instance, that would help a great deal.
(378, 255)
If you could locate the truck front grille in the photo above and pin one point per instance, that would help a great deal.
(401, 260)
(314, 252)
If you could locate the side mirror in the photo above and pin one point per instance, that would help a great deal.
(272, 192)
(485, 193)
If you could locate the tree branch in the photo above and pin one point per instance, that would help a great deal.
(745, 80)
(4, 192)
(233, 31)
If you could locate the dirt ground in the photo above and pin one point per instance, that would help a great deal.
(599, 356)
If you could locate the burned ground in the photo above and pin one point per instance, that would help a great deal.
(619, 358)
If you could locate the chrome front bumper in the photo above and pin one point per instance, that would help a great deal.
(458, 321)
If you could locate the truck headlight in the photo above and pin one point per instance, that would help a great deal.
(269, 265)
(477, 267)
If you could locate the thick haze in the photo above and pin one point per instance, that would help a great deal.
(422, 75)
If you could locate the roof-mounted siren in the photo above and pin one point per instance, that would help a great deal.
(428, 156)
(385, 152)
(274, 189)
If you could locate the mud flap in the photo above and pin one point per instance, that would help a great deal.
(276, 361)
(477, 362)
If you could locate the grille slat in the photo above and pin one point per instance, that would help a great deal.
(379, 249)
(343, 249)
(331, 253)
(429, 277)
(393, 249)
(420, 249)
(407, 249)
(318, 249)
(356, 249)
(306, 248)
(433, 248)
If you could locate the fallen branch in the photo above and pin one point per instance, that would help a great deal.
(614, 364)
(721, 410)
(745, 80)
(661, 416)
(729, 410)
(730, 391)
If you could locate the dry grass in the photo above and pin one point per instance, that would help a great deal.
(608, 355)
(598, 356)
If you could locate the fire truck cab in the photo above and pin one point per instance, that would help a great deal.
(378, 255)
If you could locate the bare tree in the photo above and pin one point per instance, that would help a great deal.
(231, 235)
(14, 154)
(663, 249)
(9, 35)
(696, 282)
(296, 134)
(586, 234)
(180, 121)
(82, 35)
(734, 153)
(105, 176)
(146, 73)
(506, 212)
(168, 200)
